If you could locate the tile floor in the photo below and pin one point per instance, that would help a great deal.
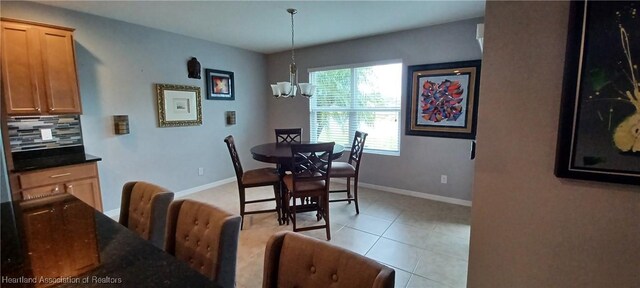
(426, 242)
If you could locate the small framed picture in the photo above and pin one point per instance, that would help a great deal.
(179, 105)
(220, 85)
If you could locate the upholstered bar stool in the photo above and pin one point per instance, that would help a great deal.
(295, 260)
(350, 169)
(205, 237)
(253, 178)
(144, 210)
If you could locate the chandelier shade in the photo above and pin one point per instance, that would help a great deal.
(290, 88)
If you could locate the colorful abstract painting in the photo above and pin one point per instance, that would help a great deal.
(443, 99)
(220, 85)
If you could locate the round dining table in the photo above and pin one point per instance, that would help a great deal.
(280, 154)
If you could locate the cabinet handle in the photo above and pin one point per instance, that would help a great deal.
(59, 175)
(55, 190)
(52, 109)
(70, 189)
(38, 109)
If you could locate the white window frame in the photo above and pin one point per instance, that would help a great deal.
(352, 110)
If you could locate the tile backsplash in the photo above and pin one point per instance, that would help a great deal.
(25, 135)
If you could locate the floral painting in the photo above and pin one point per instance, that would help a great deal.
(443, 99)
(599, 137)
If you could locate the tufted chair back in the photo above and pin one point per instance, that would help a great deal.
(294, 260)
(144, 210)
(205, 237)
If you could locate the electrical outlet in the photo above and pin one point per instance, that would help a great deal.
(46, 134)
(443, 179)
(200, 171)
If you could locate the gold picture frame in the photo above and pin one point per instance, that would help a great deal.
(179, 105)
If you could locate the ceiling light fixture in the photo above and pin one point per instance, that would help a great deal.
(289, 89)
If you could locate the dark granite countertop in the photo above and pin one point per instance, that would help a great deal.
(40, 159)
(125, 259)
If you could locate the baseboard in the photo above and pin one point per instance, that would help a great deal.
(115, 212)
(410, 193)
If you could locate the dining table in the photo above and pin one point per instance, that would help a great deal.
(280, 154)
(60, 241)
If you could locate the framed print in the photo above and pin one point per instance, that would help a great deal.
(179, 105)
(220, 85)
(442, 99)
(599, 129)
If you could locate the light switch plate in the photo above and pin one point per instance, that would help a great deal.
(46, 134)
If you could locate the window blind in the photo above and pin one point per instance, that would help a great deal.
(364, 98)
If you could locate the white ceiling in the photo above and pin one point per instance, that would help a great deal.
(264, 26)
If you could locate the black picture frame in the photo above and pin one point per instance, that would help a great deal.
(427, 111)
(220, 84)
(599, 104)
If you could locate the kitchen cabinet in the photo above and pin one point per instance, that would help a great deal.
(38, 69)
(79, 180)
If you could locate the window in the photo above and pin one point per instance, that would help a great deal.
(358, 97)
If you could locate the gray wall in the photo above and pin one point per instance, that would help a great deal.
(118, 64)
(422, 159)
(529, 228)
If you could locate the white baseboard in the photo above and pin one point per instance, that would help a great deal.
(410, 193)
(116, 212)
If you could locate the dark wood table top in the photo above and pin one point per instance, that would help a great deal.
(280, 153)
(125, 259)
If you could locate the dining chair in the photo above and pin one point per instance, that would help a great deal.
(309, 178)
(205, 237)
(144, 210)
(289, 135)
(350, 169)
(295, 260)
(254, 178)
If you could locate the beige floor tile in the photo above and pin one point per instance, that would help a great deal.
(395, 254)
(442, 268)
(408, 235)
(421, 282)
(366, 223)
(425, 221)
(383, 209)
(402, 278)
(354, 240)
(454, 227)
(446, 244)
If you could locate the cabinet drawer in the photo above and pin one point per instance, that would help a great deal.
(42, 191)
(57, 175)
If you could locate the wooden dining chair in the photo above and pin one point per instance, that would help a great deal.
(144, 210)
(289, 135)
(254, 178)
(350, 169)
(205, 237)
(309, 178)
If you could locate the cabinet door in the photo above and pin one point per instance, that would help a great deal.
(59, 68)
(79, 234)
(87, 190)
(21, 67)
(43, 241)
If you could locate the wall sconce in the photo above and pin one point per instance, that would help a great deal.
(121, 124)
(480, 34)
(231, 117)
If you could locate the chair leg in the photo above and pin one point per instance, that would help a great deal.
(325, 202)
(355, 194)
(276, 194)
(349, 189)
(293, 213)
(242, 200)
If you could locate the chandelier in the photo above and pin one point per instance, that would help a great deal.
(289, 89)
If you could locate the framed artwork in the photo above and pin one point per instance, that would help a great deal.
(179, 105)
(599, 130)
(442, 99)
(220, 85)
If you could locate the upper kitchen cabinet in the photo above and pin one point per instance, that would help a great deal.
(38, 69)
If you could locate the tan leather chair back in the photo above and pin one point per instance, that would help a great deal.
(144, 210)
(205, 237)
(295, 260)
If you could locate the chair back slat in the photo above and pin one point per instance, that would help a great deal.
(311, 162)
(357, 148)
(289, 135)
(231, 145)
